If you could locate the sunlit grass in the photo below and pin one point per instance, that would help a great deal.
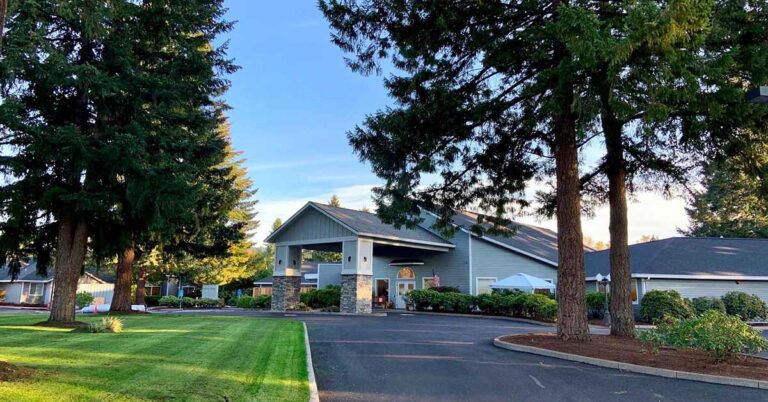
(189, 358)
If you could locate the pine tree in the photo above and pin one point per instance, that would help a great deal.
(486, 90)
(334, 201)
(3, 11)
(96, 98)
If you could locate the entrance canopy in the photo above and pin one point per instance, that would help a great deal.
(523, 282)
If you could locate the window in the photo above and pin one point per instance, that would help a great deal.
(382, 288)
(427, 282)
(484, 285)
(152, 290)
(36, 293)
(602, 289)
(406, 273)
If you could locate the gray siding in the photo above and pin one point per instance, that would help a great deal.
(453, 266)
(381, 269)
(489, 260)
(328, 274)
(12, 292)
(708, 288)
(312, 224)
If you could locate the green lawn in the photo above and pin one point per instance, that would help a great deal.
(158, 357)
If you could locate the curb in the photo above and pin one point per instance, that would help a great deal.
(314, 396)
(633, 368)
(484, 317)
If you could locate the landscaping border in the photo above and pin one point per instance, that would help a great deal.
(633, 368)
(314, 395)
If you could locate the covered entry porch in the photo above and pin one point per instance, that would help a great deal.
(358, 236)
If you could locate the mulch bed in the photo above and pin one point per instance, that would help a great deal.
(10, 372)
(632, 351)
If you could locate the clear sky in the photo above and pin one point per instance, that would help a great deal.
(293, 101)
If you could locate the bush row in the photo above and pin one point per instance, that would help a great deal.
(657, 304)
(326, 298)
(527, 305)
(720, 335)
(173, 301)
(261, 301)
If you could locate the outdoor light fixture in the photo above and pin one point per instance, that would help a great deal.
(279, 262)
(349, 258)
(758, 95)
(605, 280)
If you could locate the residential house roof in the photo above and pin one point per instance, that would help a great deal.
(28, 274)
(690, 256)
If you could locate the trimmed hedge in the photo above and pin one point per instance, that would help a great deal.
(657, 304)
(261, 301)
(527, 305)
(595, 304)
(325, 298)
(701, 305)
(173, 301)
(152, 300)
(748, 307)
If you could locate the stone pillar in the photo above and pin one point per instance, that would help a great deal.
(357, 276)
(356, 296)
(286, 279)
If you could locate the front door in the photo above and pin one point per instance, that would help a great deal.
(403, 287)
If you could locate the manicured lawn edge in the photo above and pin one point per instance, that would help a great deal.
(633, 368)
(314, 395)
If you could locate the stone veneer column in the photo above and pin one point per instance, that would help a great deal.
(286, 279)
(356, 296)
(357, 276)
(285, 292)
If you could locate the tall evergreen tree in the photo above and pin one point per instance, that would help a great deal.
(486, 101)
(334, 201)
(93, 96)
(3, 11)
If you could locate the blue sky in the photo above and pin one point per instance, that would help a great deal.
(293, 101)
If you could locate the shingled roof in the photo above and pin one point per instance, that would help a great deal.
(28, 273)
(540, 243)
(690, 256)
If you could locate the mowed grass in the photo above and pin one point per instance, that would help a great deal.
(157, 357)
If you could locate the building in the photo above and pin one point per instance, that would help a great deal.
(693, 266)
(263, 286)
(32, 289)
(380, 260)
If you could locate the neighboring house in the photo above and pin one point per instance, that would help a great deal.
(309, 275)
(693, 266)
(29, 288)
(382, 260)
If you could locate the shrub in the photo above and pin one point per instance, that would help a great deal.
(152, 300)
(106, 324)
(720, 335)
(537, 306)
(596, 304)
(446, 289)
(209, 303)
(701, 305)
(657, 304)
(419, 298)
(171, 301)
(83, 299)
(748, 307)
(322, 298)
(261, 301)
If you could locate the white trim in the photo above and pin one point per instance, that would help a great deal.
(25, 281)
(406, 264)
(316, 241)
(299, 212)
(406, 282)
(694, 277)
(403, 242)
(495, 279)
(470, 266)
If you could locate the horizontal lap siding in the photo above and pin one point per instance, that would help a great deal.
(489, 260)
(12, 292)
(328, 274)
(452, 267)
(708, 288)
(105, 290)
(312, 225)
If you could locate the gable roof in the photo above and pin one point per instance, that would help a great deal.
(535, 242)
(690, 256)
(367, 224)
(28, 274)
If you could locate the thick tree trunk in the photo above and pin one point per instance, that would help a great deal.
(70, 255)
(141, 281)
(3, 10)
(572, 324)
(622, 313)
(121, 299)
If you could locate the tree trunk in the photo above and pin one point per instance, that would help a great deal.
(620, 307)
(121, 299)
(3, 10)
(572, 324)
(141, 281)
(70, 255)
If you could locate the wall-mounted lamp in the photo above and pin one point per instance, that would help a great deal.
(349, 258)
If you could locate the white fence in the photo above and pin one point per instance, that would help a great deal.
(97, 290)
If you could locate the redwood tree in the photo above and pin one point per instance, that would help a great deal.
(485, 100)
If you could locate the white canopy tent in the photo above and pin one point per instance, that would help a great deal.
(523, 282)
